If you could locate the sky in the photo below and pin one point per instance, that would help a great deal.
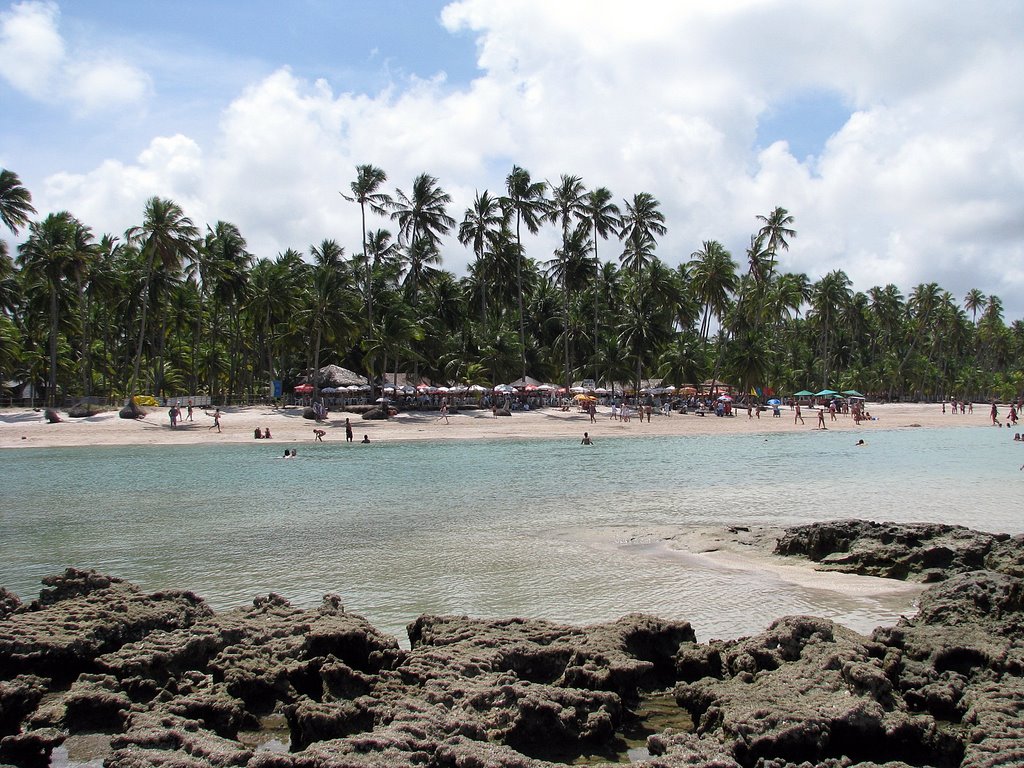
(892, 131)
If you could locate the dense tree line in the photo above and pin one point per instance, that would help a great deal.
(168, 307)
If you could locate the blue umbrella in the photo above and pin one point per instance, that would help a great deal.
(775, 401)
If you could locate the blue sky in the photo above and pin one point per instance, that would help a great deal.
(892, 135)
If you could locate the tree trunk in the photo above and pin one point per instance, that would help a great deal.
(51, 387)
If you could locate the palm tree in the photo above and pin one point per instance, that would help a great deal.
(422, 214)
(330, 303)
(526, 199)
(604, 218)
(828, 298)
(777, 227)
(54, 255)
(272, 299)
(15, 201)
(713, 279)
(422, 219)
(567, 205)
(642, 223)
(166, 238)
(364, 189)
(973, 301)
(481, 221)
(230, 264)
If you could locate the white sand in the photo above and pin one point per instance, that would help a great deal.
(26, 428)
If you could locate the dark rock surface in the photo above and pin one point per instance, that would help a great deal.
(925, 552)
(131, 410)
(161, 680)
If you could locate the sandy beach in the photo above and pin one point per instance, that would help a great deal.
(27, 428)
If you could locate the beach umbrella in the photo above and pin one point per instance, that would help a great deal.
(803, 393)
(775, 401)
(303, 388)
(852, 393)
(825, 393)
(724, 399)
(577, 390)
(601, 391)
(329, 390)
(477, 388)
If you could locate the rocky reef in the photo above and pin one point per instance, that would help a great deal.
(96, 669)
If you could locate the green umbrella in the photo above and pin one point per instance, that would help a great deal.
(803, 393)
(825, 393)
(852, 393)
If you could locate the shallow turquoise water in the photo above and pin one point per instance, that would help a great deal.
(535, 528)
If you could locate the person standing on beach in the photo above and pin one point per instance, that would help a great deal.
(348, 430)
(821, 419)
(994, 413)
(444, 412)
(189, 412)
(216, 419)
(173, 413)
(798, 416)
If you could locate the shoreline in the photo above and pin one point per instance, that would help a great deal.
(27, 428)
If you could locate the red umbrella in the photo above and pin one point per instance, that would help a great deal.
(303, 388)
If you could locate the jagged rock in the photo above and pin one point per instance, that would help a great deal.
(9, 603)
(30, 749)
(152, 739)
(178, 684)
(84, 410)
(18, 698)
(82, 616)
(95, 703)
(131, 410)
(810, 690)
(917, 551)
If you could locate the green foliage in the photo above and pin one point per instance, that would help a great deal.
(170, 310)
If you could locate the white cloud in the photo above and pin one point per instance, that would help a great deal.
(923, 182)
(35, 60)
(31, 49)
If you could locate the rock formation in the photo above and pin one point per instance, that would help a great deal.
(108, 672)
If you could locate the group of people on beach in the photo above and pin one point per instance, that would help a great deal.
(175, 414)
(1011, 418)
(264, 435)
(318, 434)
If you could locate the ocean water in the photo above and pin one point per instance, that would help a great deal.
(541, 528)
